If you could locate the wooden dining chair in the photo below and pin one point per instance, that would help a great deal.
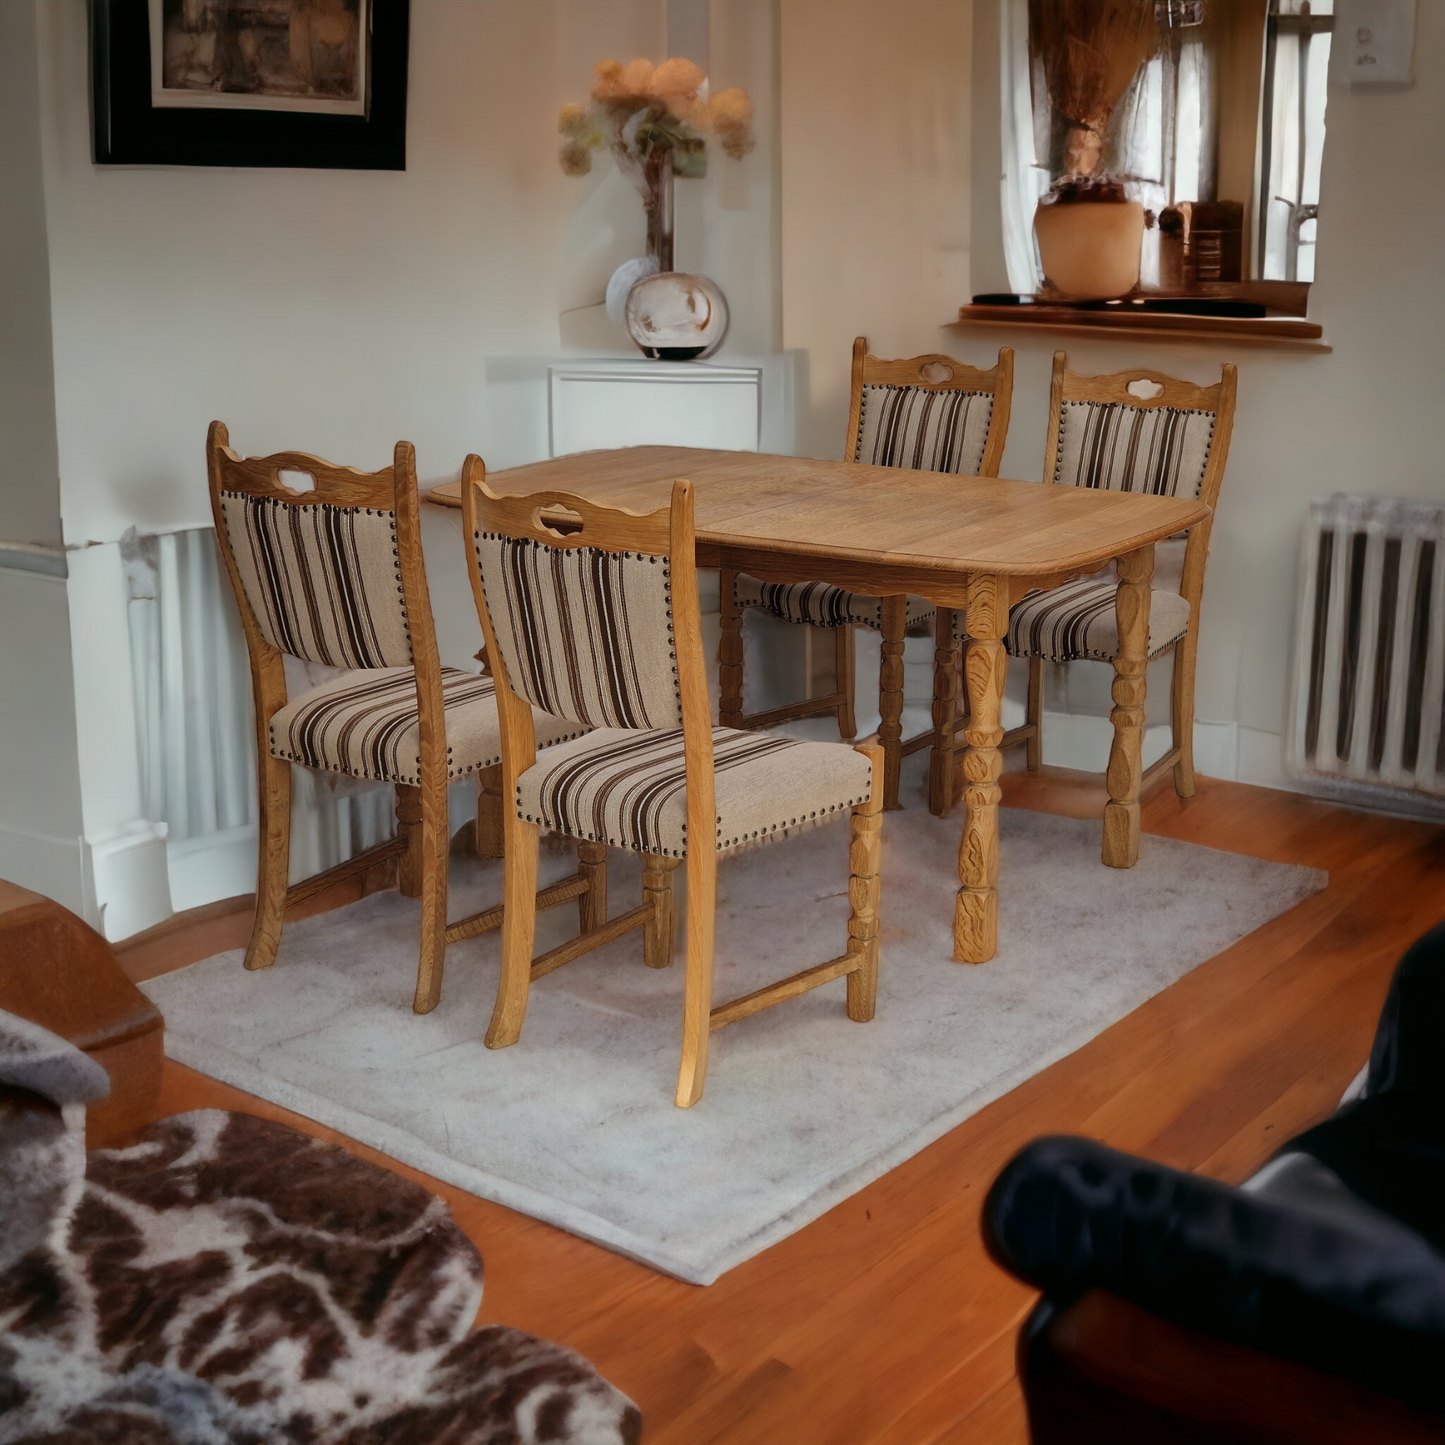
(927, 413)
(591, 614)
(335, 576)
(1131, 431)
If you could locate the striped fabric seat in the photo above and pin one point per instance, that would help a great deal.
(324, 582)
(584, 633)
(820, 603)
(1078, 620)
(923, 429)
(365, 725)
(1161, 450)
(627, 789)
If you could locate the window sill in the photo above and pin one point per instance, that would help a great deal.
(1283, 332)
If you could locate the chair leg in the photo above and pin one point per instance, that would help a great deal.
(657, 890)
(435, 835)
(408, 826)
(890, 696)
(730, 651)
(697, 987)
(945, 714)
(1034, 746)
(519, 929)
(865, 853)
(592, 905)
(1181, 713)
(845, 654)
(489, 812)
(273, 861)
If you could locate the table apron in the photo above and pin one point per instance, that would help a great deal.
(870, 579)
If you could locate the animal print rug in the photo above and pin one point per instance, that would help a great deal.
(229, 1281)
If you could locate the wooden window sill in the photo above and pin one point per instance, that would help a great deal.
(1286, 332)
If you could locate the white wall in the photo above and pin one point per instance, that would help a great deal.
(335, 311)
(1361, 419)
(40, 821)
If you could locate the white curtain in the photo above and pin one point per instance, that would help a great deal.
(196, 729)
(1023, 179)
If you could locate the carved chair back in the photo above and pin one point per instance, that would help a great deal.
(590, 613)
(332, 575)
(929, 413)
(1143, 431)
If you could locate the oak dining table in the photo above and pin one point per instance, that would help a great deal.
(970, 544)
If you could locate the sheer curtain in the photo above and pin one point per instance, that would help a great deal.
(1023, 180)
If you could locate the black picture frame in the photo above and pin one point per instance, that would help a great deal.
(129, 130)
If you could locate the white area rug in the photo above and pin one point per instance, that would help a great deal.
(575, 1124)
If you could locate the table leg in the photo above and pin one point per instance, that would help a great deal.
(890, 696)
(945, 714)
(985, 667)
(1121, 815)
(730, 651)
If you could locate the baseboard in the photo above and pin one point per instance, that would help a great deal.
(56, 867)
(131, 888)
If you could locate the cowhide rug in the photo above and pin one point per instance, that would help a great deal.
(229, 1281)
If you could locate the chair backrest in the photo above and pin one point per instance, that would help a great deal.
(333, 575)
(1143, 431)
(929, 413)
(586, 611)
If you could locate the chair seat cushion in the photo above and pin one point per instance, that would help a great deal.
(627, 788)
(1078, 620)
(365, 725)
(821, 604)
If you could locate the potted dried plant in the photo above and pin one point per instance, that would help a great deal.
(1088, 53)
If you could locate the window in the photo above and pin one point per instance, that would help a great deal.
(1296, 62)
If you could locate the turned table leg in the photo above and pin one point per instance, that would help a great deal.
(985, 667)
(1121, 815)
(945, 714)
(890, 696)
(730, 651)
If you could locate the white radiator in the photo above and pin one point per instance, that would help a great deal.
(1369, 670)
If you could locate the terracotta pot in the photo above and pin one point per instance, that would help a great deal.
(1090, 249)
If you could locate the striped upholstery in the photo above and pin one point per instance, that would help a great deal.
(584, 634)
(1078, 620)
(628, 788)
(927, 431)
(820, 603)
(1122, 448)
(324, 582)
(365, 725)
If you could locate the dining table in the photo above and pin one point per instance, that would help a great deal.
(974, 545)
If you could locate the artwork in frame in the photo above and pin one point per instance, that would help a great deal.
(311, 83)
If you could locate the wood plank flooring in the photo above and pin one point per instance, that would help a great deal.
(884, 1322)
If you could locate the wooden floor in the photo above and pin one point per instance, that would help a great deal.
(884, 1321)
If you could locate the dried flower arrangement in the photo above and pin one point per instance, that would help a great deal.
(1089, 52)
(655, 120)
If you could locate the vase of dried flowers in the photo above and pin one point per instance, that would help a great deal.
(656, 121)
(1089, 51)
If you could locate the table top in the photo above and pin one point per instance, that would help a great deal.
(807, 508)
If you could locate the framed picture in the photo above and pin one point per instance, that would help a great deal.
(315, 83)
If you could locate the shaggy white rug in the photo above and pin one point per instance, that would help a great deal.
(575, 1124)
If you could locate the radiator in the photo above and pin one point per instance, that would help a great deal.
(1369, 668)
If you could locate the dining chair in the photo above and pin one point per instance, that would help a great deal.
(334, 576)
(1130, 431)
(926, 413)
(591, 614)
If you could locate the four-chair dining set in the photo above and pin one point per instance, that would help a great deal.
(592, 718)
